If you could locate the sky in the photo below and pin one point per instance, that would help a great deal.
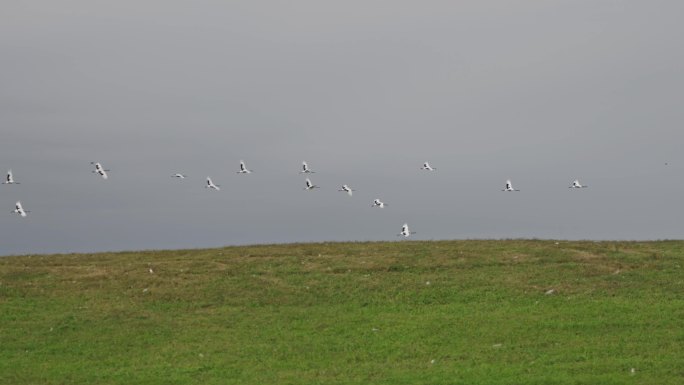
(539, 92)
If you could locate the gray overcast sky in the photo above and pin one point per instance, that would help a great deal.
(541, 92)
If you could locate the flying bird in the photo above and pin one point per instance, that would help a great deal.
(100, 170)
(346, 189)
(378, 203)
(211, 184)
(179, 176)
(305, 169)
(309, 185)
(20, 210)
(405, 231)
(577, 184)
(243, 168)
(509, 186)
(10, 178)
(427, 167)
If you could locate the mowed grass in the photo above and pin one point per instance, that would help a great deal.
(447, 312)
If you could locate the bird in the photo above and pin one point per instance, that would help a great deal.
(10, 178)
(19, 209)
(100, 170)
(309, 185)
(405, 231)
(346, 189)
(179, 176)
(378, 203)
(577, 184)
(211, 184)
(509, 186)
(305, 169)
(243, 168)
(427, 167)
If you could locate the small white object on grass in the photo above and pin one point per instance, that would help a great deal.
(550, 291)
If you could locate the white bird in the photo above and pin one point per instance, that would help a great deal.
(179, 176)
(378, 203)
(427, 167)
(405, 231)
(509, 186)
(100, 170)
(20, 210)
(243, 168)
(211, 184)
(10, 178)
(309, 185)
(347, 189)
(577, 184)
(305, 169)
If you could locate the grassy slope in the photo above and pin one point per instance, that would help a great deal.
(348, 313)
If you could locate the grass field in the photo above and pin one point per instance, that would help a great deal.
(448, 312)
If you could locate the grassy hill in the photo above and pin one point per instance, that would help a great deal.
(451, 312)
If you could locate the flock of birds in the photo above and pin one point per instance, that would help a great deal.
(405, 232)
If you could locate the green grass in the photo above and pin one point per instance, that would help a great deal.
(348, 313)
